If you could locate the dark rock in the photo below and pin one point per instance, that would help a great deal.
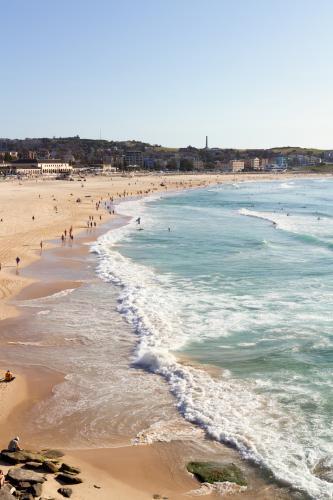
(68, 478)
(5, 495)
(37, 466)
(17, 457)
(21, 475)
(69, 469)
(50, 467)
(211, 472)
(52, 453)
(36, 490)
(65, 492)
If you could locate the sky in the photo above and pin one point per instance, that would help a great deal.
(247, 73)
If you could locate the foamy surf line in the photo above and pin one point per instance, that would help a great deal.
(227, 409)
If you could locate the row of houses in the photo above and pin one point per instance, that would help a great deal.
(276, 163)
(256, 164)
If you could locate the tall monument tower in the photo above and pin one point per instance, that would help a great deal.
(206, 141)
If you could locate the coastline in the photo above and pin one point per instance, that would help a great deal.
(174, 481)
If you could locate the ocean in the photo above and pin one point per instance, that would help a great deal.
(241, 281)
(215, 310)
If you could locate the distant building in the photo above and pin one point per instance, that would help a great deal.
(237, 165)
(198, 164)
(107, 167)
(253, 164)
(38, 167)
(281, 162)
(134, 158)
(149, 163)
(27, 170)
(264, 162)
(10, 154)
(328, 156)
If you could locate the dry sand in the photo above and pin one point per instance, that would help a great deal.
(122, 473)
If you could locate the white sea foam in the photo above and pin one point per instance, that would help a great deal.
(229, 410)
(39, 300)
(299, 224)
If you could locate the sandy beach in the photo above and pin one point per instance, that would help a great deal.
(35, 211)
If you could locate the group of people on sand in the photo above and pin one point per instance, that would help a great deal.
(70, 234)
(12, 446)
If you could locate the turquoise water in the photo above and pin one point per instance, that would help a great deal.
(242, 281)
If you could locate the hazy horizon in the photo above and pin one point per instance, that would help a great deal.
(249, 75)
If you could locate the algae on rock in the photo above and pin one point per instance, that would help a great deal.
(212, 472)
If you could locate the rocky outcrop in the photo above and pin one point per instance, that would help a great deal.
(25, 481)
(5, 495)
(212, 472)
(65, 492)
(69, 469)
(36, 466)
(50, 467)
(35, 490)
(18, 476)
(64, 478)
(17, 457)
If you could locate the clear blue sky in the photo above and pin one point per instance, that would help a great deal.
(248, 73)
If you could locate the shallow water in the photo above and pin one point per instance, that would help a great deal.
(243, 280)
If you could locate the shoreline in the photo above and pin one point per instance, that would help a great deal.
(38, 288)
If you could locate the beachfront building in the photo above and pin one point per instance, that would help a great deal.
(237, 165)
(54, 167)
(36, 167)
(27, 171)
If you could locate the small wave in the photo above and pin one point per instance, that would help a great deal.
(167, 431)
(308, 228)
(222, 489)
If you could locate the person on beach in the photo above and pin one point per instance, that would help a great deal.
(2, 479)
(14, 444)
(62, 238)
(41, 245)
(17, 261)
(9, 376)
